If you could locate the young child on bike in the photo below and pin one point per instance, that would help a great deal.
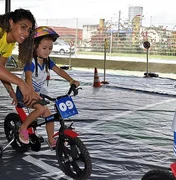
(16, 26)
(35, 75)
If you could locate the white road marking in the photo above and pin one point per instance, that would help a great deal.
(52, 171)
(94, 124)
(42, 152)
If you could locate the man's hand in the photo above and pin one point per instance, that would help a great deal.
(13, 96)
(28, 94)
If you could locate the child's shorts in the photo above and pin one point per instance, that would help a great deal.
(19, 95)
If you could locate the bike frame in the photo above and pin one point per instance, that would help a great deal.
(72, 155)
(173, 168)
(54, 117)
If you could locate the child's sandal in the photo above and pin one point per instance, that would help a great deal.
(53, 146)
(24, 136)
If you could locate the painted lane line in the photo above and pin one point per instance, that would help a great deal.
(52, 171)
(94, 124)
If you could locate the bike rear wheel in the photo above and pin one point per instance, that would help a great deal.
(73, 158)
(158, 175)
(11, 125)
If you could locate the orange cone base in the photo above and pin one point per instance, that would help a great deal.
(97, 84)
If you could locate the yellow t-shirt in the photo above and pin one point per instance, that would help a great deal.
(5, 48)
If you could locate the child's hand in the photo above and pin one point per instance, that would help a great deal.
(74, 82)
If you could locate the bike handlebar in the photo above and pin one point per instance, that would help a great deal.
(72, 88)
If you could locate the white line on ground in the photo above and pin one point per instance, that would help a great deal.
(94, 124)
(52, 171)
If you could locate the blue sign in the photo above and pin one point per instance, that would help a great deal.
(66, 107)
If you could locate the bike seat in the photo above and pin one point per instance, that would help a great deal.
(43, 102)
(20, 104)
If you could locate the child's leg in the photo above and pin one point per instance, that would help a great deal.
(23, 133)
(50, 132)
(49, 128)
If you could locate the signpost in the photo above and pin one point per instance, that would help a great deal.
(105, 48)
(146, 45)
(71, 45)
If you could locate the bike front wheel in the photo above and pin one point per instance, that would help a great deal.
(158, 175)
(73, 158)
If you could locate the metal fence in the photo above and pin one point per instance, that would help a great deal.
(124, 37)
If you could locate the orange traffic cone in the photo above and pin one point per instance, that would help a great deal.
(96, 79)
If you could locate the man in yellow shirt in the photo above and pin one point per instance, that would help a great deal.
(5, 47)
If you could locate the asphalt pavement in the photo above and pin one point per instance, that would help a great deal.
(125, 125)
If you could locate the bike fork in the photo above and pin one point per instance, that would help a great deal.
(51, 148)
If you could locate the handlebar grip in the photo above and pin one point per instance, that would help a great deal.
(72, 88)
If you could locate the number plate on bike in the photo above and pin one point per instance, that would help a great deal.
(66, 107)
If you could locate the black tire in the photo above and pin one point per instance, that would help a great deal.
(73, 158)
(158, 175)
(11, 125)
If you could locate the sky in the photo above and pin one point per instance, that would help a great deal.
(154, 12)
